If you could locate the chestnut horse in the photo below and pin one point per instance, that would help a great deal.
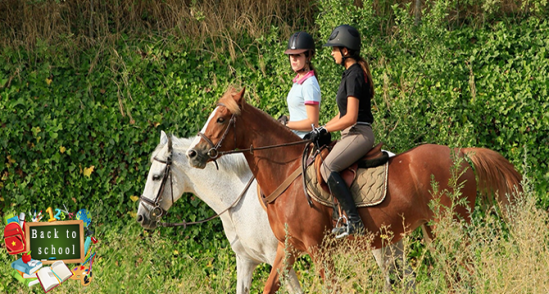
(234, 124)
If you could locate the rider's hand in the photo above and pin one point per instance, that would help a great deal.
(283, 119)
(315, 135)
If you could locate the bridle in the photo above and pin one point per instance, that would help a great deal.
(157, 211)
(213, 152)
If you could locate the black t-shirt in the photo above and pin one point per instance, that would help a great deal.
(354, 83)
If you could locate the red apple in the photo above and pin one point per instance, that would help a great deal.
(26, 257)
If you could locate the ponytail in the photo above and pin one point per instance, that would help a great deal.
(365, 67)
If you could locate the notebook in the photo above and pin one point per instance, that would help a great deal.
(29, 282)
(51, 277)
(26, 276)
(28, 268)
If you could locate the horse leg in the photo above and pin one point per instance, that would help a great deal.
(429, 236)
(392, 260)
(379, 255)
(282, 265)
(244, 273)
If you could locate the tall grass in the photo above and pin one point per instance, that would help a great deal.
(87, 23)
(487, 255)
(209, 24)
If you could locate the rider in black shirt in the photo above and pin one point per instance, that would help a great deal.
(354, 120)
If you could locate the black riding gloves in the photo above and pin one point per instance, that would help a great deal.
(315, 135)
(283, 119)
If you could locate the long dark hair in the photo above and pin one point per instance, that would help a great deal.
(365, 67)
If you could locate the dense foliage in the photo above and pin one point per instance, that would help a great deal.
(77, 127)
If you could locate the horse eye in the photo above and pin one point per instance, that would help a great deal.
(156, 177)
(220, 120)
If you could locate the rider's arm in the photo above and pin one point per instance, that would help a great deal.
(350, 118)
(312, 118)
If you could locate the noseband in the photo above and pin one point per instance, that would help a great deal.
(213, 153)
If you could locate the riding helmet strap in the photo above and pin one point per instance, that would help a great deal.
(343, 57)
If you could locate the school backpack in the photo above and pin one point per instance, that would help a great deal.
(14, 238)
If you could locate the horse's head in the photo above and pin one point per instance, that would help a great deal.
(160, 190)
(219, 133)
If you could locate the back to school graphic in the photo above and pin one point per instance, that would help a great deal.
(50, 247)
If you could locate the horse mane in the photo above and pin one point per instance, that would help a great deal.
(235, 163)
(228, 101)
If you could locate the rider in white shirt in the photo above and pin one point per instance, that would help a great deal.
(304, 96)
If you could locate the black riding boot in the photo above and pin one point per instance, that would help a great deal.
(339, 189)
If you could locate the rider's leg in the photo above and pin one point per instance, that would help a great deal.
(355, 142)
(340, 190)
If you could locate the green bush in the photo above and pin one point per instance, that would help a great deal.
(78, 133)
(465, 87)
(78, 128)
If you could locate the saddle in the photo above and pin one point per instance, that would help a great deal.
(375, 157)
(318, 189)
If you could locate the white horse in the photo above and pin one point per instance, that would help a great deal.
(246, 225)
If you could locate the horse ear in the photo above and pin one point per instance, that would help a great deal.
(163, 138)
(239, 97)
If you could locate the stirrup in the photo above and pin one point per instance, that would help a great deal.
(348, 228)
(341, 229)
(340, 222)
(341, 232)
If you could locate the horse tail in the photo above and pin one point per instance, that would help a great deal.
(496, 176)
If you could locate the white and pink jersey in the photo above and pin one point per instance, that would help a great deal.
(304, 91)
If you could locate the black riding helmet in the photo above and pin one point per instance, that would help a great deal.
(300, 42)
(344, 36)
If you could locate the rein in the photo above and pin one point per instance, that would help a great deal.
(157, 211)
(213, 153)
(251, 149)
(291, 178)
(184, 223)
